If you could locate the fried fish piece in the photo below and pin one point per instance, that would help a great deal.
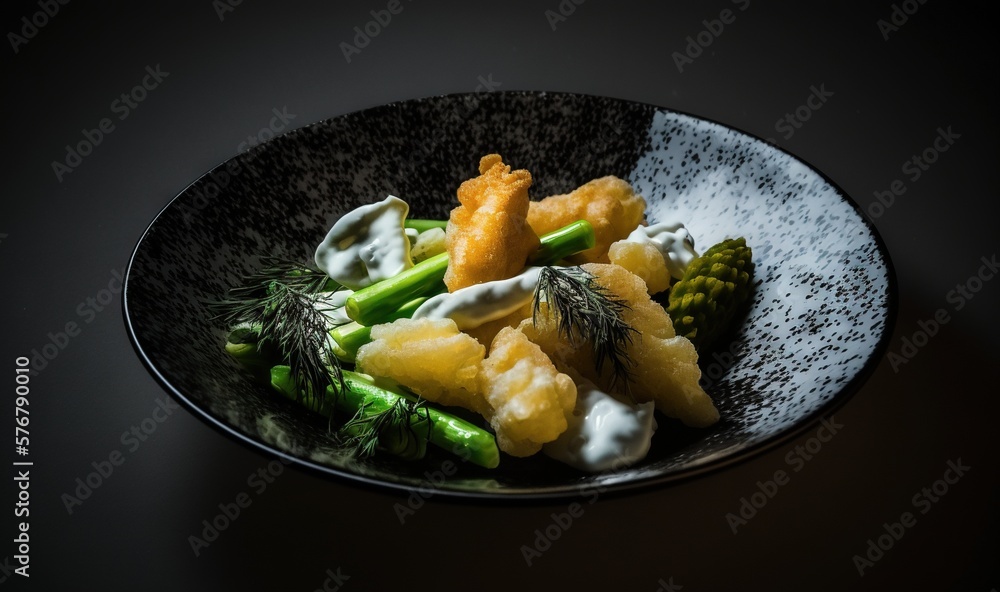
(666, 365)
(488, 236)
(608, 203)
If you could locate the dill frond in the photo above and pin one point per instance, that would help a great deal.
(391, 429)
(586, 311)
(282, 303)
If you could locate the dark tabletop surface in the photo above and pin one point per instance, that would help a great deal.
(913, 467)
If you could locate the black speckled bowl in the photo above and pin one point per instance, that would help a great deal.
(818, 325)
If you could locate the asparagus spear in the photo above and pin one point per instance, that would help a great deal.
(376, 303)
(422, 225)
(400, 435)
(350, 337)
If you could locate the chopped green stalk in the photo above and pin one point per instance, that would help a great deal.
(350, 337)
(380, 418)
(281, 380)
(422, 225)
(447, 431)
(563, 242)
(342, 354)
(242, 344)
(402, 432)
(376, 303)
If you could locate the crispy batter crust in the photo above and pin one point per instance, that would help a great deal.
(488, 236)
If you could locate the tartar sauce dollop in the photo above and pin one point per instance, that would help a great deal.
(672, 240)
(477, 304)
(604, 433)
(367, 244)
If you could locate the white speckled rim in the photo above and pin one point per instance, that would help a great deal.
(819, 322)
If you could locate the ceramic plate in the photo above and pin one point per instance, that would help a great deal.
(818, 324)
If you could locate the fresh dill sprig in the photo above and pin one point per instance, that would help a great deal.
(282, 304)
(587, 311)
(281, 310)
(391, 429)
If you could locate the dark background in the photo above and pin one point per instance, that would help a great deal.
(62, 241)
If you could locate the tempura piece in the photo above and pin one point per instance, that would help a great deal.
(488, 236)
(644, 260)
(529, 399)
(430, 357)
(609, 204)
(665, 366)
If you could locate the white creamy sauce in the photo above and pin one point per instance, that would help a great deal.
(475, 305)
(672, 240)
(603, 432)
(367, 244)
